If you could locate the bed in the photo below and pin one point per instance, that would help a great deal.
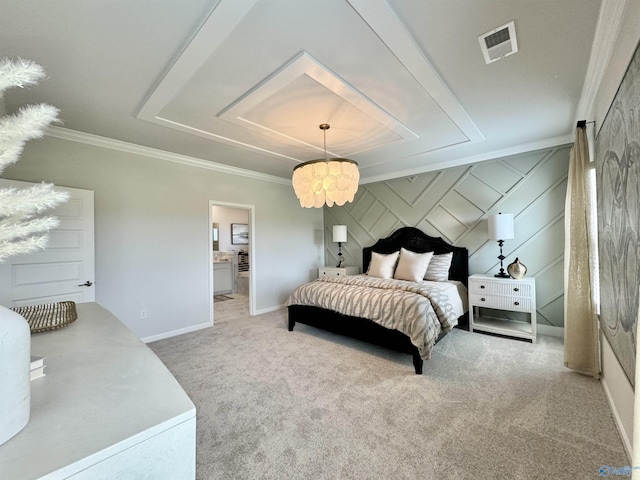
(336, 303)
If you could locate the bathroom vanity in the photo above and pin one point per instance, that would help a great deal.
(223, 277)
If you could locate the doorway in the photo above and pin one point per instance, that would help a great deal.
(232, 260)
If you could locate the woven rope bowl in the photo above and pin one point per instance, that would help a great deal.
(48, 316)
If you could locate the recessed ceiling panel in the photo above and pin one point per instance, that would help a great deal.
(281, 71)
(281, 105)
(285, 113)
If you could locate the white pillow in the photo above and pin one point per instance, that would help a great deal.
(412, 266)
(438, 270)
(382, 266)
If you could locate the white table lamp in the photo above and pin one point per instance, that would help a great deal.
(339, 236)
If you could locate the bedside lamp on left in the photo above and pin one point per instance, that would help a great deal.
(339, 236)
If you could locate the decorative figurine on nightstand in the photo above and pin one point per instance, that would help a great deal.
(517, 270)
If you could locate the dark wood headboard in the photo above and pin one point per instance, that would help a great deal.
(417, 241)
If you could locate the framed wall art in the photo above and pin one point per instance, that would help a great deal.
(618, 185)
(239, 234)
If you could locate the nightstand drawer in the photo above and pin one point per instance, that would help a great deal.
(502, 303)
(511, 288)
(337, 271)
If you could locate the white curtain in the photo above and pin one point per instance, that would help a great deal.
(580, 321)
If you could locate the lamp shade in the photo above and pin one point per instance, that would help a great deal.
(501, 226)
(339, 233)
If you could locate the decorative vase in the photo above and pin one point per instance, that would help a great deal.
(517, 270)
(15, 360)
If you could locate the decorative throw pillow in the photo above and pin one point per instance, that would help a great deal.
(381, 265)
(412, 266)
(438, 270)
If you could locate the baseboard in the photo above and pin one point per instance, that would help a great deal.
(174, 333)
(618, 420)
(270, 309)
(550, 330)
(619, 394)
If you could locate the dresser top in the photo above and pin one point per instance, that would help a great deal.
(479, 276)
(104, 391)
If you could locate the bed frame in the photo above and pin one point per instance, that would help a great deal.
(363, 329)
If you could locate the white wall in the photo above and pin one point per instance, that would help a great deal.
(616, 385)
(152, 231)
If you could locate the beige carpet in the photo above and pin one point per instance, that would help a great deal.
(311, 405)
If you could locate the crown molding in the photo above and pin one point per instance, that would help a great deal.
(119, 145)
(495, 154)
(604, 39)
(104, 142)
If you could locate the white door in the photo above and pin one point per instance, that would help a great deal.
(65, 270)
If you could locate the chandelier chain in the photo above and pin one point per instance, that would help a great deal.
(325, 144)
(324, 127)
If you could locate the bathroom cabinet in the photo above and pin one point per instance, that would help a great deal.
(223, 278)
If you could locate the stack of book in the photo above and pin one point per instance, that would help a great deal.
(37, 367)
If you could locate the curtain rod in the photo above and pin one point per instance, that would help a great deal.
(583, 123)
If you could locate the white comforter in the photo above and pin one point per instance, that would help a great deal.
(419, 310)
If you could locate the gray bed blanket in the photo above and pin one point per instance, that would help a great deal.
(419, 310)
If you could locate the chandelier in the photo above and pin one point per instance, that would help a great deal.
(329, 180)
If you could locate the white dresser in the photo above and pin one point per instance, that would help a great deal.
(507, 295)
(107, 408)
(337, 271)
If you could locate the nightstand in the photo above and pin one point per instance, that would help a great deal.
(337, 271)
(497, 295)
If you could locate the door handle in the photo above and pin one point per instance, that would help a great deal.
(86, 284)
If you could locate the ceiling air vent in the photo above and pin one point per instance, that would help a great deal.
(499, 42)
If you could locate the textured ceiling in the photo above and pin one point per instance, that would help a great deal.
(246, 83)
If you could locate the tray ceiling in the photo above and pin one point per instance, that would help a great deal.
(247, 82)
(284, 93)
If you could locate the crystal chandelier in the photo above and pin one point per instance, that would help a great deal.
(329, 180)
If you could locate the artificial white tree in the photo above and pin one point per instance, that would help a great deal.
(23, 229)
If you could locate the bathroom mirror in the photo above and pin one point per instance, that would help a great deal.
(214, 236)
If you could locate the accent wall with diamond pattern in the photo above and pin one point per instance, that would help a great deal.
(454, 204)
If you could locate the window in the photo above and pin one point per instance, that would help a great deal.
(593, 224)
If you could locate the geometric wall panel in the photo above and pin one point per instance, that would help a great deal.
(412, 189)
(445, 221)
(498, 175)
(454, 204)
(526, 162)
(480, 192)
(461, 207)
